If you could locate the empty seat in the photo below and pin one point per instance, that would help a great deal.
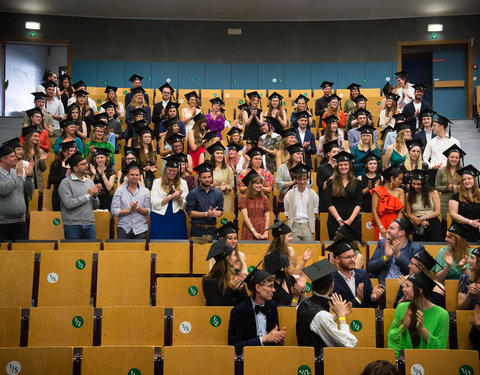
(133, 325)
(387, 322)
(88, 245)
(47, 200)
(123, 278)
(171, 256)
(10, 327)
(128, 360)
(463, 328)
(436, 361)
(65, 278)
(362, 325)
(61, 326)
(278, 360)
(34, 245)
(31, 361)
(124, 245)
(180, 291)
(201, 325)
(391, 290)
(215, 360)
(451, 295)
(287, 317)
(46, 225)
(16, 278)
(353, 360)
(199, 254)
(102, 224)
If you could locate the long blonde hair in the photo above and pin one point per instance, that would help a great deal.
(165, 182)
(463, 193)
(330, 111)
(408, 161)
(392, 109)
(400, 140)
(461, 247)
(134, 102)
(371, 144)
(27, 146)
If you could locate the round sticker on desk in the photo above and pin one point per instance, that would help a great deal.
(80, 264)
(356, 325)
(192, 290)
(77, 321)
(465, 370)
(417, 369)
(13, 367)
(56, 221)
(185, 327)
(308, 287)
(215, 321)
(52, 277)
(304, 370)
(134, 371)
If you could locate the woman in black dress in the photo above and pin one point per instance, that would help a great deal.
(103, 174)
(276, 114)
(370, 180)
(252, 117)
(223, 286)
(343, 196)
(59, 170)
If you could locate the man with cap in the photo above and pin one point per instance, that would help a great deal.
(425, 133)
(321, 104)
(351, 283)
(391, 136)
(136, 82)
(131, 204)
(204, 205)
(404, 89)
(325, 171)
(39, 101)
(254, 321)
(316, 326)
(160, 107)
(16, 146)
(392, 255)
(53, 106)
(305, 137)
(355, 133)
(417, 105)
(301, 205)
(79, 197)
(13, 189)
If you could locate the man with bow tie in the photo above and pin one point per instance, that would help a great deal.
(254, 321)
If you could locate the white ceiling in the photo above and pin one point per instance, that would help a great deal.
(245, 10)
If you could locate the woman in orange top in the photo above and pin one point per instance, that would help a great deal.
(334, 109)
(388, 200)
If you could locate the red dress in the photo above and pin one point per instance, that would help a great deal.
(256, 209)
(387, 210)
(196, 155)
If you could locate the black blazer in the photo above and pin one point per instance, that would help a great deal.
(242, 329)
(421, 135)
(409, 111)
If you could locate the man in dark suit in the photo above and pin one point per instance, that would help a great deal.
(305, 137)
(254, 321)
(417, 105)
(426, 133)
(160, 108)
(351, 283)
(136, 82)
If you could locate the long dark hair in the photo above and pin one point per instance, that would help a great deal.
(412, 327)
(426, 190)
(387, 177)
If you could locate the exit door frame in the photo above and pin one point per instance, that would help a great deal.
(32, 42)
(468, 43)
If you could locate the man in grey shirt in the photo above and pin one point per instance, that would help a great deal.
(53, 107)
(12, 199)
(78, 196)
(131, 204)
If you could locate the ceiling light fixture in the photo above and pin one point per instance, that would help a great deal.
(31, 25)
(435, 27)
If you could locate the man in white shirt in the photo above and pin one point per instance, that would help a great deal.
(53, 106)
(301, 205)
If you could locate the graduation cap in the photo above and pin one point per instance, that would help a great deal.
(210, 135)
(132, 164)
(325, 84)
(476, 252)
(253, 94)
(405, 224)
(419, 87)
(170, 122)
(400, 117)
(275, 95)
(99, 124)
(135, 151)
(217, 146)
(242, 107)
(392, 96)
(219, 250)
(339, 247)
(294, 148)
(333, 97)
(5, 150)
(200, 117)
(344, 156)
(102, 151)
(255, 152)
(234, 146)
(365, 129)
(387, 130)
(454, 148)
(411, 143)
(99, 117)
(360, 98)
(139, 124)
(299, 97)
(34, 111)
(72, 106)
(249, 177)
(268, 120)
(390, 171)
(137, 111)
(327, 147)
(172, 161)
(369, 157)
(426, 259)
(255, 277)
(63, 77)
(300, 168)
(349, 233)
(217, 101)
(279, 228)
(110, 88)
(361, 112)
(30, 130)
(234, 130)
(67, 145)
(13, 143)
(134, 77)
(288, 133)
(442, 120)
(191, 94)
(252, 141)
(354, 86)
(427, 113)
(79, 84)
(274, 262)
(171, 105)
(319, 270)
(181, 157)
(423, 281)
(399, 126)
(108, 105)
(419, 174)
(81, 93)
(67, 122)
(402, 74)
(38, 95)
(48, 84)
(469, 169)
(462, 230)
(204, 167)
(226, 229)
(386, 88)
(137, 90)
(143, 131)
(74, 159)
(303, 114)
(166, 85)
(329, 119)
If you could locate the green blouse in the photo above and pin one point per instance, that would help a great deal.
(108, 145)
(455, 272)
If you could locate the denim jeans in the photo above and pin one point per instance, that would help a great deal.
(80, 232)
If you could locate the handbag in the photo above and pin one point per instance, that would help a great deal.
(419, 230)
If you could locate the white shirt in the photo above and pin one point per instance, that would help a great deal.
(428, 136)
(433, 153)
(302, 136)
(119, 108)
(91, 103)
(301, 199)
(417, 108)
(55, 107)
(325, 327)
(350, 282)
(261, 321)
(403, 101)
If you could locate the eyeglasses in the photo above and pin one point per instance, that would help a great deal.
(350, 256)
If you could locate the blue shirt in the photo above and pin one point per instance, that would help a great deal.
(200, 200)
